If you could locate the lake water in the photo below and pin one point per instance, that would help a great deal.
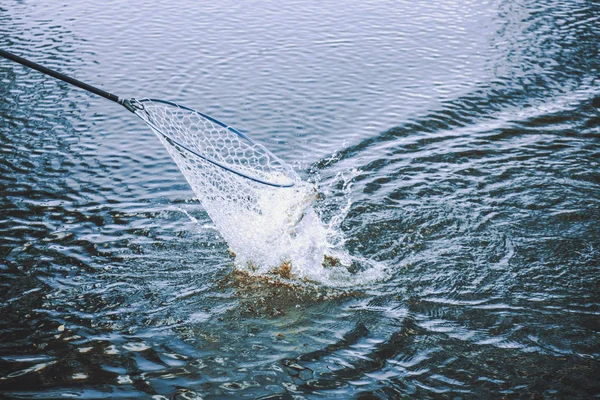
(464, 136)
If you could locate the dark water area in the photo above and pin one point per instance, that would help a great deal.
(469, 132)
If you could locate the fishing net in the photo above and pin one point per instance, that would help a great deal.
(258, 203)
(192, 132)
(254, 198)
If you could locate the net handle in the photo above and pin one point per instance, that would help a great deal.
(55, 74)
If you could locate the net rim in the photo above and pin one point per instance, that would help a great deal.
(208, 159)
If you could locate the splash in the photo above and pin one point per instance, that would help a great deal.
(279, 232)
(289, 238)
(258, 203)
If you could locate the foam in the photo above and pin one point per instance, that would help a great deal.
(266, 226)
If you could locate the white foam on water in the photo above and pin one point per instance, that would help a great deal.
(265, 225)
(273, 226)
(288, 229)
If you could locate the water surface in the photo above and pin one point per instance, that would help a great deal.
(464, 136)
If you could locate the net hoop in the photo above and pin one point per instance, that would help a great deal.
(138, 105)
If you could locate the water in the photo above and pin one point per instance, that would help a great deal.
(457, 143)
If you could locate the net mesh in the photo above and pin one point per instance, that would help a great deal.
(215, 142)
(255, 200)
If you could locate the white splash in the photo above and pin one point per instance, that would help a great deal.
(258, 203)
(289, 230)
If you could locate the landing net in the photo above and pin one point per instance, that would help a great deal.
(255, 200)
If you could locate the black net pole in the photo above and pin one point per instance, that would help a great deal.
(62, 77)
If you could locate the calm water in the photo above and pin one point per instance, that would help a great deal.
(468, 133)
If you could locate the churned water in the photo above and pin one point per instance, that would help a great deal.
(455, 147)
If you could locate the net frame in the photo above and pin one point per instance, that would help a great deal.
(249, 159)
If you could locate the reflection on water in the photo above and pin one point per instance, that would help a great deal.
(467, 132)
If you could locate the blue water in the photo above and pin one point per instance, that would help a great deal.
(464, 135)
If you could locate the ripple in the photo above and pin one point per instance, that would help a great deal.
(456, 144)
